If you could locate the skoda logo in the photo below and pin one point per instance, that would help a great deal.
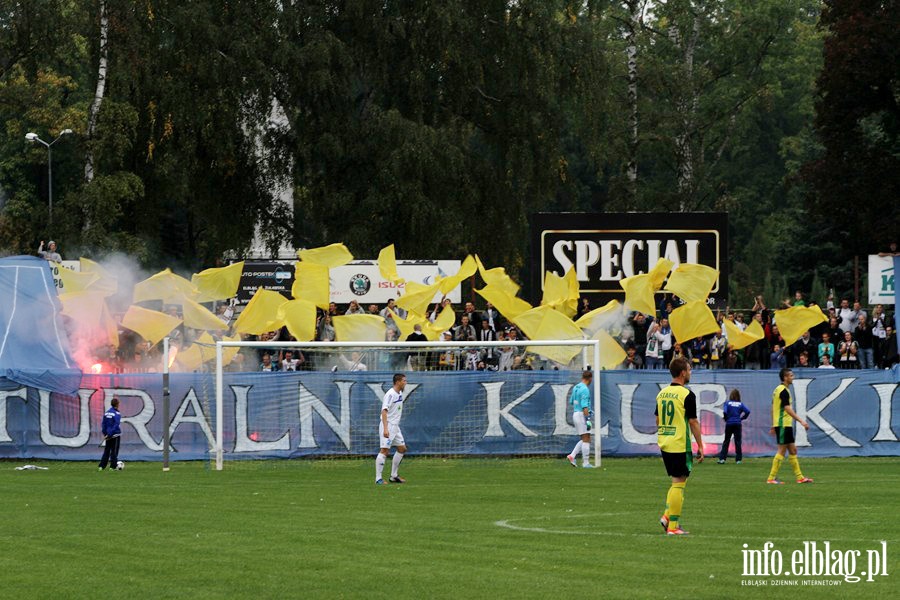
(360, 284)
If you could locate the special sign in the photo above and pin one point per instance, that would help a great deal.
(604, 248)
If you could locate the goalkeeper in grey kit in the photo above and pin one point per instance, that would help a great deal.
(581, 417)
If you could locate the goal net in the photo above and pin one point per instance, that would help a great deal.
(323, 399)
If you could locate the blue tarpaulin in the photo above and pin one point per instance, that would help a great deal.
(34, 349)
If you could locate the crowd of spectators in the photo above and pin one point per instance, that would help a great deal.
(852, 337)
(849, 338)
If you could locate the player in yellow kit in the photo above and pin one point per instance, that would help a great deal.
(783, 417)
(676, 420)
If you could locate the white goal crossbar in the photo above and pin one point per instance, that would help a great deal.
(429, 346)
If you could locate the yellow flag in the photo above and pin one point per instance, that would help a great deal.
(599, 318)
(312, 284)
(468, 268)
(165, 286)
(408, 325)
(794, 321)
(219, 283)
(207, 346)
(692, 282)
(197, 316)
(73, 281)
(150, 324)
(497, 278)
(660, 271)
(359, 328)
(84, 308)
(300, 318)
(334, 255)
(106, 282)
(557, 326)
(530, 321)
(189, 359)
(507, 305)
(692, 320)
(442, 323)
(639, 293)
(738, 339)
(387, 264)
(261, 313)
(417, 297)
(611, 353)
(556, 293)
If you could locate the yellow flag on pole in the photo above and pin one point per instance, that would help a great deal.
(468, 268)
(106, 282)
(197, 316)
(150, 324)
(165, 286)
(261, 313)
(331, 256)
(300, 318)
(311, 283)
(509, 306)
(794, 321)
(599, 318)
(557, 326)
(359, 328)
(219, 283)
(530, 321)
(639, 293)
(692, 320)
(611, 353)
(692, 282)
(738, 339)
(498, 278)
(387, 264)
(73, 281)
(660, 271)
(417, 297)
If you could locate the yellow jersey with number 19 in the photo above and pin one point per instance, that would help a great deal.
(673, 433)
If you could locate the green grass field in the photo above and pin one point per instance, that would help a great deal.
(468, 528)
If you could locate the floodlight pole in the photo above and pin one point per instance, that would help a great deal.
(165, 405)
(33, 137)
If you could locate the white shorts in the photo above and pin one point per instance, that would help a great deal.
(580, 422)
(394, 438)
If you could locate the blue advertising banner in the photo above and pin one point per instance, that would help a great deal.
(270, 415)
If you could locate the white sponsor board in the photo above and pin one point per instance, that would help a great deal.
(881, 279)
(360, 280)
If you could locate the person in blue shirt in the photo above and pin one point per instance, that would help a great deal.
(735, 412)
(112, 432)
(581, 417)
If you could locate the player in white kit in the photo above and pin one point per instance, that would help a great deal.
(389, 431)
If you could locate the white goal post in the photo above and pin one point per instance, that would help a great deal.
(587, 357)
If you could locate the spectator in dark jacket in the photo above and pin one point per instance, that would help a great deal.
(112, 432)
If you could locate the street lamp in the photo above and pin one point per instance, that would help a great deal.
(33, 137)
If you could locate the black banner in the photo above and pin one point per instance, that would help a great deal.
(607, 247)
(277, 276)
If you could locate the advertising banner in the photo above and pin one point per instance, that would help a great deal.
(607, 247)
(881, 279)
(296, 414)
(358, 280)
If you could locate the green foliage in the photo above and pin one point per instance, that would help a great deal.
(442, 126)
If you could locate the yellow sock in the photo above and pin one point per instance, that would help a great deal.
(674, 503)
(795, 465)
(776, 464)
